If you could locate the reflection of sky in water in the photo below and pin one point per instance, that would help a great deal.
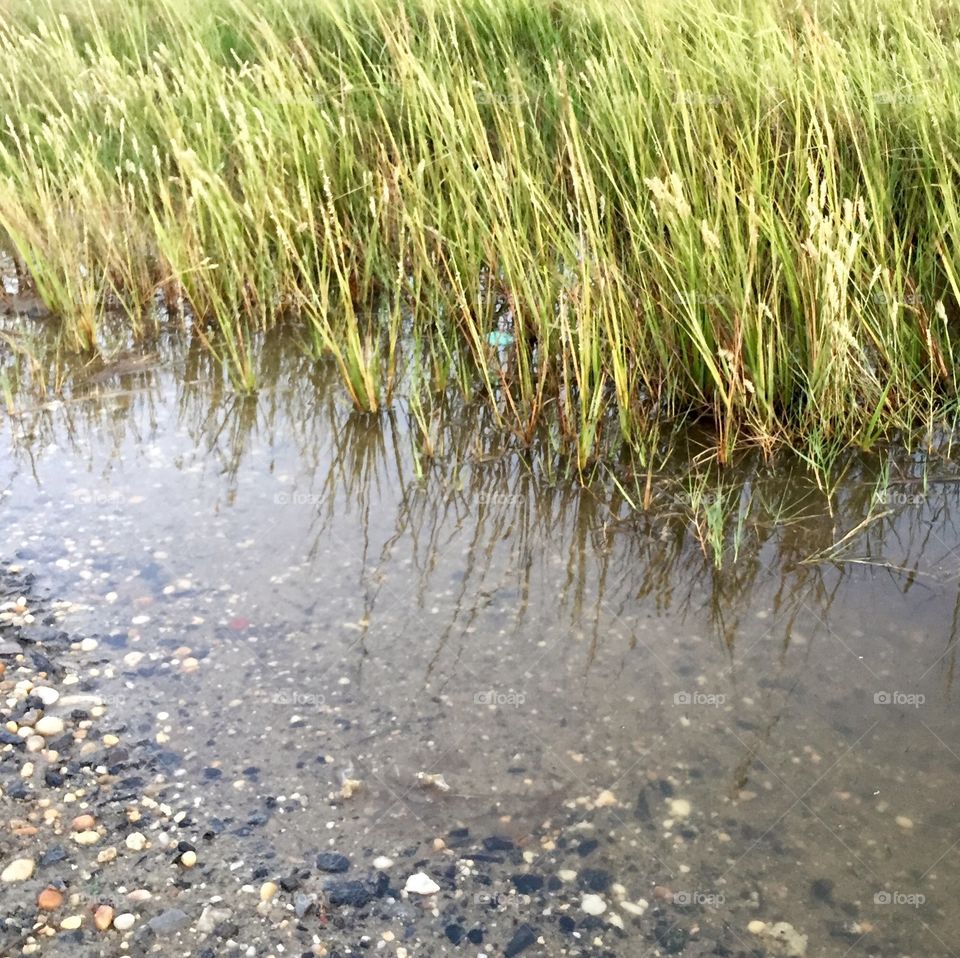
(530, 642)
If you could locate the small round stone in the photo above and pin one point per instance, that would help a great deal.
(71, 922)
(83, 822)
(593, 905)
(49, 899)
(124, 922)
(88, 837)
(188, 859)
(757, 927)
(49, 725)
(136, 841)
(46, 695)
(267, 890)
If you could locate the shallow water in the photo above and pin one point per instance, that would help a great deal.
(522, 638)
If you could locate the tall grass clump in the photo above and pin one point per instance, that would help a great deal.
(598, 217)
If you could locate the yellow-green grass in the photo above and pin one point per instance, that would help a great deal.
(738, 211)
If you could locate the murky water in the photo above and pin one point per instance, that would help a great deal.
(287, 602)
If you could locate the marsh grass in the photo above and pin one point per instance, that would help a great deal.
(734, 213)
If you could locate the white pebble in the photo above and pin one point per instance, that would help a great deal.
(20, 869)
(49, 725)
(46, 695)
(593, 905)
(136, 841)
(421, 884)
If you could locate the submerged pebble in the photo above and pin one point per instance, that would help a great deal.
(421, 884)
(20, 869)
(593, 904)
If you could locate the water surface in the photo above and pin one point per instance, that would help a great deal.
(315, 604)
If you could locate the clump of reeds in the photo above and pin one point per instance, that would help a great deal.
(739, 211)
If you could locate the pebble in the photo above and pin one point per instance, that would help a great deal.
(188, 859)
(82, 822)
(169, 922)
(136, 841)
(210, 917)
(606, 799)
(267, 890)
(593, 905)
(522, 939)
(421, 884)
(679, 807)
(89, 837)
(49, 899)
(20, 869)
(103, 917)
(49, 725)
(124, 922)
(107, 855)
(302, 903)
(795, 944)
(567, 875)
(757, 927)
(46, 695)
(71, 922)
(356, 894)
(904, 822)
(88, 645)
(332, 862)
(381, 863)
